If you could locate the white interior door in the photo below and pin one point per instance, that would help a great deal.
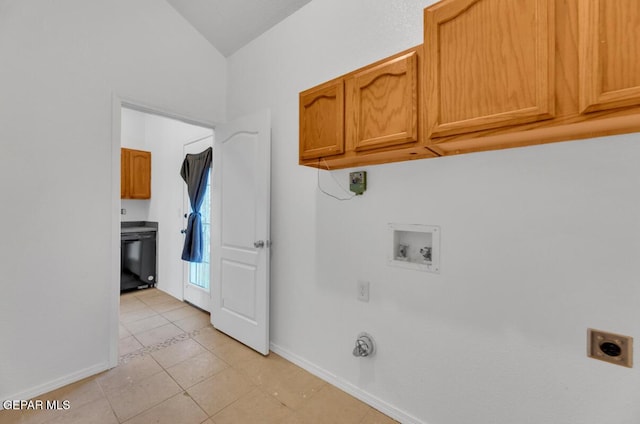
(241, 206)
(197, 276)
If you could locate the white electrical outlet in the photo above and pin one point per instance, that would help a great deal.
(363, 291)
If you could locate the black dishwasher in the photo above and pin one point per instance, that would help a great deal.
(137, 258)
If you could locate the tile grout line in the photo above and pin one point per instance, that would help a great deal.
(113, 411)
(185, 391)
(234, 402)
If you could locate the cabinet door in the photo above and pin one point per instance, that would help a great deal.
(609, 54)
(124, 173)
(382, 104)
(140, 174)
(322, 120)
(488, 64)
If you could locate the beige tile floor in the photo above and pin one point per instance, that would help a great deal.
(175, 368)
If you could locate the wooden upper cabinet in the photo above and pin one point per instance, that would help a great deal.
(382, 104)
(609, 54)
(491, 74)
(322, 120)
(135, 175)
(140, 182)
(488, 64)
(369, 116)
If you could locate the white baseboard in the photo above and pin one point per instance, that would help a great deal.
(57, 383)
(353, 390)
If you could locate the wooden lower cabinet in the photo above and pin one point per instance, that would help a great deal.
(135, 174)
(378, 121)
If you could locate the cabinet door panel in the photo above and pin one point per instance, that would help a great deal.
(140, 174)
(490, 63)
(382, 104)
(322, 120)
(609, 54)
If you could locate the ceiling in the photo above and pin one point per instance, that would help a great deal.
(230, 24)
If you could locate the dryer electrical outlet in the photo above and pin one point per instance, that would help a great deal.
(609, 347)
(358, 182)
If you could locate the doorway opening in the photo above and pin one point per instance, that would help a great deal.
(164, 136)
(240, 193)
(168, 140)
(197, 275)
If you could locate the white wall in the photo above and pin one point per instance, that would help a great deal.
(165, 139)
(61, 63)
(133, 135)
(133, 129)
(538, 244)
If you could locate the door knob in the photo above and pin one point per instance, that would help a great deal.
(258, 244)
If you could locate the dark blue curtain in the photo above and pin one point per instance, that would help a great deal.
(195, 172)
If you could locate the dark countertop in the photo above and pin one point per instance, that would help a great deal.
(137, 226)
(136, 230)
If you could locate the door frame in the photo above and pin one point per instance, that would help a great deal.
(117, 103)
